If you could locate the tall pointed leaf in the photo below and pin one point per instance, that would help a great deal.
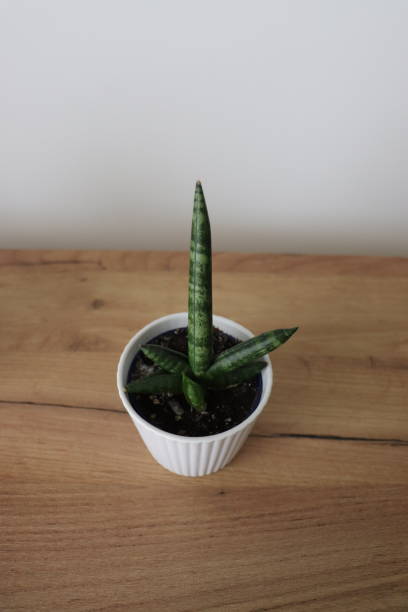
(156, 383)
(200, 288)
(245, 352)
(167, 359)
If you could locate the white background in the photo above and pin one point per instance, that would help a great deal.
(293, 113)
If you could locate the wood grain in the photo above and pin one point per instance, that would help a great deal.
(312, 514)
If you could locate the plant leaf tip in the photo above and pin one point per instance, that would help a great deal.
(199, 189)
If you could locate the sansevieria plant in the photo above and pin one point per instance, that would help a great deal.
(198, 371)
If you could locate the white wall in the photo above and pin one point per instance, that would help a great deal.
(293, 113)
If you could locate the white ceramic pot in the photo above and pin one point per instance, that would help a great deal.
(186, 455)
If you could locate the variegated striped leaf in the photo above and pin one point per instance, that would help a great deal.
(156, 383)
(194, 393)
(200, 288)
(245, 352)
(167, 359)
(225, 380)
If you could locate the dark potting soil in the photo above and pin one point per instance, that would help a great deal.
(171, 412)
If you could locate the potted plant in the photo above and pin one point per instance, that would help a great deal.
(194, 383)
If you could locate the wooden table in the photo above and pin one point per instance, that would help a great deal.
(311, 515)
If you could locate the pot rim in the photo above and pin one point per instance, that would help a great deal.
(132, 347)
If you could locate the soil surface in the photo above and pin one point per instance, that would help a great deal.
(172, 413)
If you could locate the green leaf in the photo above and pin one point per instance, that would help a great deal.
(224, 380)
(194, 393)
(200, 326)
(167, 359)
(245, 352)
(156, 383)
